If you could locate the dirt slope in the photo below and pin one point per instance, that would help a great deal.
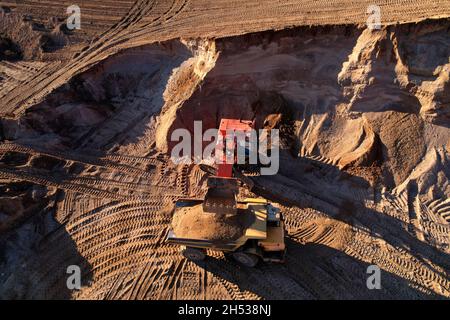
(146, 21)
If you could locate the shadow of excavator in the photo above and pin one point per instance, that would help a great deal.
(312, 271)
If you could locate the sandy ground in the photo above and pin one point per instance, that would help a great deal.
(135, 23)
(85, 178)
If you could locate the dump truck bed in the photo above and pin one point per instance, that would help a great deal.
(257, 229)
(202, 243)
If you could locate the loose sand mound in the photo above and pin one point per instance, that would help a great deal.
(192, 222)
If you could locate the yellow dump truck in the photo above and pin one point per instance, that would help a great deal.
(262, 239)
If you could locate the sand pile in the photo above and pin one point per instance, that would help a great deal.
(192, 222)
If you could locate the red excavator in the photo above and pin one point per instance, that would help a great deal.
(263, 238)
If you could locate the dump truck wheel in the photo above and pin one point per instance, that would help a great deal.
(246, 259)
(194, 254)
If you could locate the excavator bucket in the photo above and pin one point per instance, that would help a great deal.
(221, 196)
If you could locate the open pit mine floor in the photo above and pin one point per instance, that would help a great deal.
(86, 118)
